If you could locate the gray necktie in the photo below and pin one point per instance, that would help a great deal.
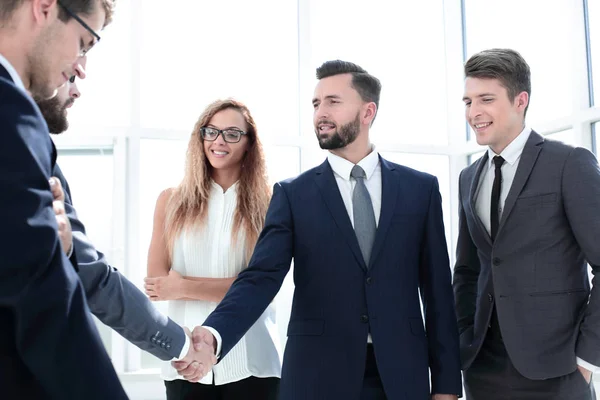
(364, 216)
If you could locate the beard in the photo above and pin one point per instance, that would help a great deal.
(341, 137)
(55, 114)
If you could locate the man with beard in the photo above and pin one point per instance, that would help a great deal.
(367, 237)
(49, 346)
(111, 297)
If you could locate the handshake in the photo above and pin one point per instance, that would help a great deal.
(200, 357)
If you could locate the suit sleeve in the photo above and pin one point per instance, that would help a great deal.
(54, 335)
(114, 300)
(581, 195)
(466, 271)
(438, 302)
(258, 284)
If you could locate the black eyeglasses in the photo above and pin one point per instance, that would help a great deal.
(229, 135)
(83, 51)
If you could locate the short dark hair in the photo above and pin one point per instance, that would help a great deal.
(506, 65)
(367, 86)
(79, 7)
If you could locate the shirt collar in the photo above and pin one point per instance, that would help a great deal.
(513, 151)
(343, 167)
(12, 72)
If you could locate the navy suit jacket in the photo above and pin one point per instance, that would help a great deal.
(338, 300)
(49, 346)
(116, 301)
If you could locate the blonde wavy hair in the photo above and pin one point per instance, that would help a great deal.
(187, 206)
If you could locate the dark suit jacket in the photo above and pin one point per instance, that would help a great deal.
(115, 300)
(338, 300)
(548, 230)
(49, 346)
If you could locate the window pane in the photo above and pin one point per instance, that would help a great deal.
(594, 27)
(89, 174)
(154, 178)
(436, 165)
(550, 59)
(382, 38)
(471, 158)
(282, 162)
(106, 93)
(249, 55)
(567, 136)
(596, 135)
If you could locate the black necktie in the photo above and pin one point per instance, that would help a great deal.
(495, 206)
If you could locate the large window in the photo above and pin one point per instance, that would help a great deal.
(545, 39)
(204, 51)
(404, 48)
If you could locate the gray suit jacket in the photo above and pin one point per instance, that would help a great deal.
(536, 270)
(115, 300)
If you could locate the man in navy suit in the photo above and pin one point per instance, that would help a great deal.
(49, 346)
(367, 239)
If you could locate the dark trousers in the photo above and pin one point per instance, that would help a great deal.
(492, 376)
(249, 388)
(372, 387)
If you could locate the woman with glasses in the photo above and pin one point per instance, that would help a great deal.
(204, 233)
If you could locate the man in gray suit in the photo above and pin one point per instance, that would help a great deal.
(529, 323)
(111, 297)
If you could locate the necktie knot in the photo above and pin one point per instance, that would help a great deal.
(498, 161)
(358, 173)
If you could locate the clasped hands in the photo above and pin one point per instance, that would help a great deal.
(200, 357)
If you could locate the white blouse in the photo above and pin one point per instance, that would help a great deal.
(208, 252)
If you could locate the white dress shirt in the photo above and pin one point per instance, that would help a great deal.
(512, 156)
(207, 251)
(13, 73)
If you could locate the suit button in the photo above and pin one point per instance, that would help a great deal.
(497, 261)
(168, 347)
(369, 280)
(364, 319)
(490, 297)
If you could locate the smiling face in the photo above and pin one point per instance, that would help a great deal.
(495, 118)
(220, 154)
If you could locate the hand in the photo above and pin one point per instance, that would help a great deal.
(64, 226)
(587, 374)
(202, 336)
(199, 360)
(164, 287)
(444, 397)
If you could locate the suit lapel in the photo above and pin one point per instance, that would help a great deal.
(528, 158)
(333, 199)
(474, 184)
(389, 197)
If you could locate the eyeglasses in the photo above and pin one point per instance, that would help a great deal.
(229, 135)
(83, 51)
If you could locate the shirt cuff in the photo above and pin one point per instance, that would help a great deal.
(184, 349)
(587, 365)
(217, 338)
